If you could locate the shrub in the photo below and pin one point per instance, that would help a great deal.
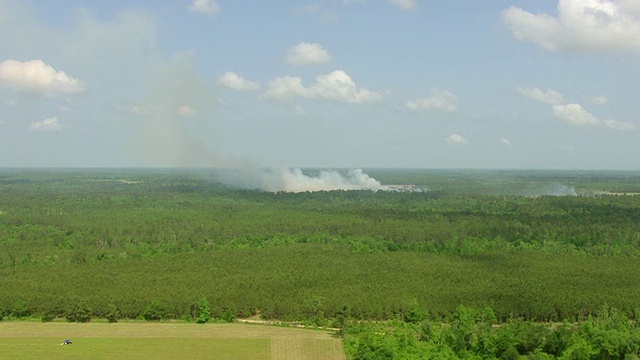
(229, 316)
(154, 312)
(47, 316)
(112, 313)
(79, 312)
(20, 309)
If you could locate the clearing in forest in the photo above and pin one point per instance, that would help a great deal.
(32, 340)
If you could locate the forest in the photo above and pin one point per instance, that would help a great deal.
(474, 265)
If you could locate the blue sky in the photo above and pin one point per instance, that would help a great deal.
(544, 84)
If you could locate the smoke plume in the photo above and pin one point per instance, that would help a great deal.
(294, 180)
(176, 128)
(551, 190)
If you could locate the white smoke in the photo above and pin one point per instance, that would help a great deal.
(552, 190)
(294, 180)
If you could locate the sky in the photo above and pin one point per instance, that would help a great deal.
(521, 84)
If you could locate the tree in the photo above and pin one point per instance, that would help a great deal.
(204, 311)
(343, 317)
(415, 314)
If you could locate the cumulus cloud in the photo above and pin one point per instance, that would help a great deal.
(405, 4)
(575, 114)
(505, 142)
(307, 9)
(209, 7)
(325, 12)
(440, 100)
(186, 110)
(619, 125)
(307, 54)
(299, 110)
(456, 139)
(38, 77)
(546, 96)
(599, 100)
(339, 86)
(138, 109)
(581, 26)
(237, 82)
(285, 88)
(335, 86)
(49, 124)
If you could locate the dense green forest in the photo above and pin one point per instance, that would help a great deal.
(162, 244)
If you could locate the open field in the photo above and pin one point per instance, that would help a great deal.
(31, 340)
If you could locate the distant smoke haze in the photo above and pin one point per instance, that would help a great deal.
(177, 129)
(294, 180)
(166, 141)
(551, 190)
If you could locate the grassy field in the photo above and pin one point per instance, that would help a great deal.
(32, 340)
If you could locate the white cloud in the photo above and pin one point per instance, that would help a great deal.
(581, 25)
(285, 88)
(307, 54)
(405, 4)
(546, 96)
(505, 142)
(139, 109)
(307, 9)
(36, 76)
(619, 125)
(237, 82)
(49, 124)
(209, 7)
(599, 100)
(339, 86)
(186, 110)
(440, 100)
(456, 139)
(335, 86)
(224, 102)
(575, 114)
(327, 14)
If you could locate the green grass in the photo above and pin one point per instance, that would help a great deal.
(135, 348)
(141, 340)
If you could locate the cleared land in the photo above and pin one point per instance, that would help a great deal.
(30, 340)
